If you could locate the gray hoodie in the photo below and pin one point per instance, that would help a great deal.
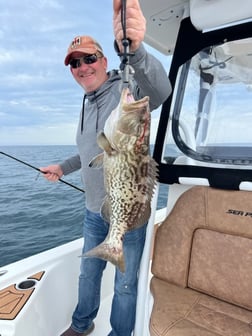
(150, 79)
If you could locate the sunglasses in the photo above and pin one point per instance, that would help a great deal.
(87, 59)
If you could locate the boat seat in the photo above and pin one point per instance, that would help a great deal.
(202, 266)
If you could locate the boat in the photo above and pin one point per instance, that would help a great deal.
(196, 271)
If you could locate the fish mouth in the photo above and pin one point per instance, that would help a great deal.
(127, 96)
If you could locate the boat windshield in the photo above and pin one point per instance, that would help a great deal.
(211, 111)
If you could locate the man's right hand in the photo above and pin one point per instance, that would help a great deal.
(135, 23)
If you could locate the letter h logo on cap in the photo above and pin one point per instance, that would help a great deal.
(76, 42)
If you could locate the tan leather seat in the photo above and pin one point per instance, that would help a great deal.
(202, 266)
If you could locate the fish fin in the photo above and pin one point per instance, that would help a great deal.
(97, 161)
(107, 252)
(146, 216)
(106, 210)
(153, 170)
(103, 143)
(143, 219)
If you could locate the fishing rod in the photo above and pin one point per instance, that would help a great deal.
(126, 69)
(29, 165)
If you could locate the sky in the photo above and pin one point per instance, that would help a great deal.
(39, 100)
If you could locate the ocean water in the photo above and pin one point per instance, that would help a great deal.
(36, 215)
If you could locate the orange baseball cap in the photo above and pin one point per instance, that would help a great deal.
(85, 44)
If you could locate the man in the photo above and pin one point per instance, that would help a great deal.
(88, 66)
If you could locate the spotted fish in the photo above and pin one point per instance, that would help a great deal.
(129, 174)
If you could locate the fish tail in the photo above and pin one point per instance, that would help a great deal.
(107, 252)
